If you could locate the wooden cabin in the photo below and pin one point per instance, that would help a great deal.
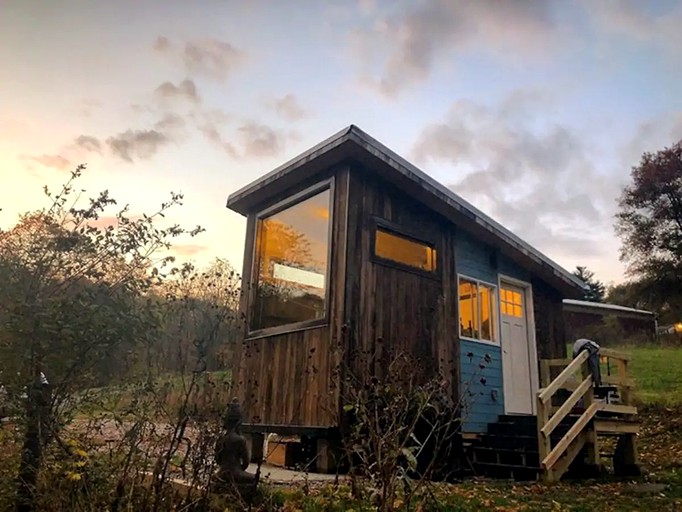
(350, 249)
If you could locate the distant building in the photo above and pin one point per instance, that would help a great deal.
(608, 324)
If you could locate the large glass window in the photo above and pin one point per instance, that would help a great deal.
(477, 310)
(405, 251)
(292, 248)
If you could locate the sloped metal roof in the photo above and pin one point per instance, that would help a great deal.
(352, 143)
(605, 307)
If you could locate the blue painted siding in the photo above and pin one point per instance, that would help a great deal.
(508, 268)
(480, 385)
(480, 381)
(474, 259)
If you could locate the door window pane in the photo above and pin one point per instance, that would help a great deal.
(511, 303)
(292, 249)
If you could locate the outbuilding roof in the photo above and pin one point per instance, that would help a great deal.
(353, 144)
(603, 308)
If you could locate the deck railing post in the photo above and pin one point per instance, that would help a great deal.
(544, 442)
(593, 457)
(624, 383)
(545, 373)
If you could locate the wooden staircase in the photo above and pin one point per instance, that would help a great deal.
(566, 432)
(510, 449)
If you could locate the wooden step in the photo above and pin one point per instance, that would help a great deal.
(509, 441)
(507, 471)
(613, 426)
(485, 454)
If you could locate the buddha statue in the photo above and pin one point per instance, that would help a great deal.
(232, 452)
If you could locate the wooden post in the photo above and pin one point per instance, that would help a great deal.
(545, 375)
(623, 382)
(593, 457)
(544, 442)
(255, 442)
(626, 458)
(326, 460)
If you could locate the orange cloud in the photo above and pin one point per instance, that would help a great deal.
(188, 249)
(109, 220)
(54, 161)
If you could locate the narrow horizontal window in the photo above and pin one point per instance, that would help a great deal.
(292, 248)
(403, 250)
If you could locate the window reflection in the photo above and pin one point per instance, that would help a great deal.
(468, 309)
(292, 253)
(476, 310)
(397, 248)
(487, 295)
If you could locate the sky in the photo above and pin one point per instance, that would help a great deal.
(534, 111)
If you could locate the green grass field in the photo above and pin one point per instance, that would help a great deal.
(657, 372)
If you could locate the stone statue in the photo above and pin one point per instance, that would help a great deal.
(232, 452)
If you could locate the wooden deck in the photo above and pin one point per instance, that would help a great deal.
(611, 414)
(570, 431)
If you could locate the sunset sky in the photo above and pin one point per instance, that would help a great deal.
(534, 111)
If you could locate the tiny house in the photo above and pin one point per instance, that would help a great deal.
(349, 247)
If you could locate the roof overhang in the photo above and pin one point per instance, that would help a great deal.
(352, 144)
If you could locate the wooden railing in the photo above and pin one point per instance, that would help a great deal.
(575, 378)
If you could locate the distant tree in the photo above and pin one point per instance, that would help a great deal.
(596, 290)
(72, 294)
(202, 304)
(650, 225)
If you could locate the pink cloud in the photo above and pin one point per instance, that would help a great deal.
(188, 249)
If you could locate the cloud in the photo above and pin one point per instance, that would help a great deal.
(259, 140)
(251, 139)
(188, 249)
(88, 143)
(162, 44)
(652, 135)
(109, 220)
(69, 153)
(142, 144)
(186, 89)
(639, 21)
(538, 182)
(87, 106)
(211, 132)
(170, 123)
(406, 46)
(54, 161)
(208, 57)
(289, 108)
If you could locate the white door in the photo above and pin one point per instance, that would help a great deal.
(516, 351)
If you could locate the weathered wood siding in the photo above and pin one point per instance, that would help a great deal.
(389, 310)
(549, 321)
(292, 378)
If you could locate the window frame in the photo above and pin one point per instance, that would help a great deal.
(494, 312)
(254, 279)
(399, 231)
